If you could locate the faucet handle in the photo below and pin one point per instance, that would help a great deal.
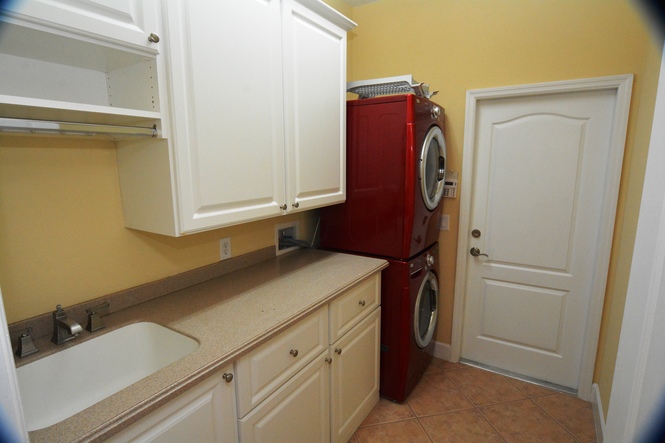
(94, 318)
(25, 345)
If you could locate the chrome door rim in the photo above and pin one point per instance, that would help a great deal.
(432, 201)
(422, 342)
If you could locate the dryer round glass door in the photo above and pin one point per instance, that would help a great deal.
(426, 309)
(433, 167)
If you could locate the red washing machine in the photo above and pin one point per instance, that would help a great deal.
(409, 307)
(396, 159)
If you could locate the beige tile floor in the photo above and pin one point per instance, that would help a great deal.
(458, 403)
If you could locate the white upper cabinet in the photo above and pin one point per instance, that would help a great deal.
(226, 70)
(315, 104)
(247, 98)
(127, 22)
(88, 61)
(257, 92)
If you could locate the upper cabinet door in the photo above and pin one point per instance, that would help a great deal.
(125, 22)
(224, 60)
(315, 110)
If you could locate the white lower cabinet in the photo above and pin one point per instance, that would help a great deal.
(314, 382)
(289, 390)
(354, 377)
(299, 411)
(204, 414)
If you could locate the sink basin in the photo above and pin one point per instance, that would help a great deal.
(60, 385)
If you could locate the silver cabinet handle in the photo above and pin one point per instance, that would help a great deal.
(153, 38)
(476, 253)
(228, 377)
(296, 205)
(294, 352)
(283, 207)
(361, 302)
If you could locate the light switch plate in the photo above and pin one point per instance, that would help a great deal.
(444, 222)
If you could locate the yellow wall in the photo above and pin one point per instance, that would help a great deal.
(456, 45)
(62, 238)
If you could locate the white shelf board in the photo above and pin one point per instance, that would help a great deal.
(40, 109)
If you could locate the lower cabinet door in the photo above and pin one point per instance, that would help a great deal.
(204, 414)
(298, 411)
(355, 376)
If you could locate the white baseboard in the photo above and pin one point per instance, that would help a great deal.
(442, 350)
(598, 415)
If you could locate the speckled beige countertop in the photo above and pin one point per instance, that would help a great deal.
(228, 316)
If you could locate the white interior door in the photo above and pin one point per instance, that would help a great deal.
(542, 198)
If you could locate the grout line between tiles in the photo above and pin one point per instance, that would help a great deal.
(437, 368)
(557, 421)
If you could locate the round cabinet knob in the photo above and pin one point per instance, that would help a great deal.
(328, 360)
(296, 205)
(338, 351)
(283, 207)
(228, 377)
(153, 38)
(294, 352)
(361, 302)
(430, 259)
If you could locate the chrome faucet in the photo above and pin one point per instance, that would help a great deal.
(64, 329)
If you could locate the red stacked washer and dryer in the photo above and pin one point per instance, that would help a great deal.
(396, 156)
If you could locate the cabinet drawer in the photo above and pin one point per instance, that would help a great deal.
(350, 308)
(261, 372)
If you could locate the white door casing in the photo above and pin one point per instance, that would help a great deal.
(638, 388)
(542, 163)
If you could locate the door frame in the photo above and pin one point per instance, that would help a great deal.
(622, 86)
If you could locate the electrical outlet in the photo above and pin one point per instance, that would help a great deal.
(444, 222)
(283, 233)
(225, 248)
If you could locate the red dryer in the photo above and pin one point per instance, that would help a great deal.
(396, 160)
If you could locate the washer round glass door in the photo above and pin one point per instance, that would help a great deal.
(425, 312)
(433, 167)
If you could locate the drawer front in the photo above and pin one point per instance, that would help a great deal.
(261, 372)
(350, 308)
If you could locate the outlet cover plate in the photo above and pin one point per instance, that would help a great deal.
(225, 248)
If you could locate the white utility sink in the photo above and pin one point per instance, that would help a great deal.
(60, 385)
